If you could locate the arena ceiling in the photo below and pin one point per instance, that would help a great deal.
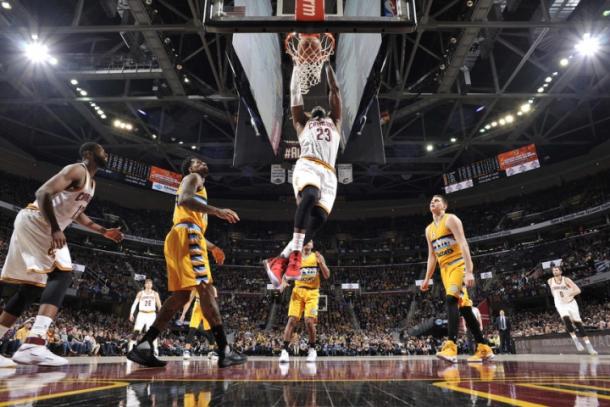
(161, 72)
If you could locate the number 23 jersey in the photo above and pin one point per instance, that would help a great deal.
(320, 139)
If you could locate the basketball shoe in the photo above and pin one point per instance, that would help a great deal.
(231, 357)
(143, 355)
(31, 354)
(293, 271)
(284, 357)
(6, 362)
(312, 355)
(482, 354)
(275, 268)
(448, 352)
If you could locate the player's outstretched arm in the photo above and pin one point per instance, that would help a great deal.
(334, 95)
(133, 306)
(188, 198)
(430, 266)
(73, 175)
(455, 226)
(299, 119)
(114, 234)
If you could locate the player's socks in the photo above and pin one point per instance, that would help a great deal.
(221, 339)
(130, 345)
(286, 252)
(39, 329)
(298, 240)
(579, 346)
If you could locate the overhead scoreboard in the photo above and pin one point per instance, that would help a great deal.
(136, 173)
(503, 165)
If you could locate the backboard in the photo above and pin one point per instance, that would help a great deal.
(310, 16)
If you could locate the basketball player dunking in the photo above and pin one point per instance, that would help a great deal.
(304, 300)
(447, 245)
(38, 257)
(564, 290)
(188, 267)
(148, 302)
(314, 179)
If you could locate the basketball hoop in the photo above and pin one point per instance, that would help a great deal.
(309, 61)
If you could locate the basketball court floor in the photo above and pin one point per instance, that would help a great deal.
(523, 380)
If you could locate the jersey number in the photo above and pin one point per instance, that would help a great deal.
(323, 134)
(148, 303)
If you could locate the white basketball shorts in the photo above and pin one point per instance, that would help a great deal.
(30, 257)
(144, 320)
(308, 172)
(569, 310)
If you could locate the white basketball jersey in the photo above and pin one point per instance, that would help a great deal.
(320, 139)
(68, 205)
(560, 291)
(147, 302)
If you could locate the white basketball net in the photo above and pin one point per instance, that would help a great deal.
(310, 64)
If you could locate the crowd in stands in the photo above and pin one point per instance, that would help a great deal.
(385, 259)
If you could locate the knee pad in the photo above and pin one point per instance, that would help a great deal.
(55, 291)
(568, 324)
(22, 299)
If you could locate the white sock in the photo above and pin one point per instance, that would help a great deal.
(3, 330)
(156, 345)
(298, 239)
(40, 327)
(586, 340)
(574, 337)
(130, 345)
(287, 250)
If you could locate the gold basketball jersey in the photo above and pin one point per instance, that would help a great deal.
(446, 248)
(310, 273)
(184, 215)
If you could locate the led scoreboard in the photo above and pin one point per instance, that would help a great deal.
(143, 175)
(503, 165)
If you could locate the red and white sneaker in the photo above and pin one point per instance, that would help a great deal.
(275, 268)
(293, 272)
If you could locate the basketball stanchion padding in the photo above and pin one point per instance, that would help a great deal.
(309, 52)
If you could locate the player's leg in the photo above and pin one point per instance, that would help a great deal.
(211, 312)
(452, 283)
(577, 321)
(181, 278)
(295, 311)
(34, 351)
(483, 350)
(311, 316)
(570, 329)
(16, 305)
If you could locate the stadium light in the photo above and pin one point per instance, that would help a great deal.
(181, 142)
(488, 127)
(482, 130)
(526, 107)
(588, 45)
(73, 82)
(37, 52)
(509, 118)
(154, 136)
(193, 147)
(83, 92)
(53, 61)
(548, 79)
(494, 124)
(564, 62)
(429, 147)
(540, 89)
(519, 113)
(129, 126)
(103, 116)
(6, 5)
(116, 123)
(502, 122)
(453, 139)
